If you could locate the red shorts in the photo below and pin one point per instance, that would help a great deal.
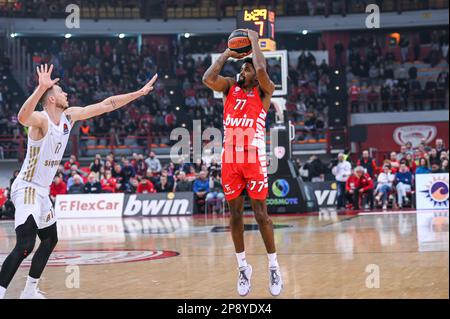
(251, 176)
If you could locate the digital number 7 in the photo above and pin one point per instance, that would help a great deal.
(261, 27)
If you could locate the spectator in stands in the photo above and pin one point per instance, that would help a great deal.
(200, 188)
(433, 156)
(153, 163)
(423, 167)
(372, 99)
(182, 184)
(132, 185)
(164, 185)
(403, 184)
(145, 186)
(409, 148)
(354, 97)
(140, 166)
(108, 183)
(411, 163)
(402, 154)
(359, 185)
(393, 162)
(439, 146)
(368, 163)
(444, 166)
(215, 194)
(92, 185)
(316, 169)
(57, 187)
(77, 187)
(118, 174)
(128, 171)
(170, 178)
(342, 171)
(72, 161)
(384, 186)
(436, 168)
(96, 166)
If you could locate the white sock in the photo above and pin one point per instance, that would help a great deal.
(31, 284)
(273, 262)
(242, 262)
(2, 292)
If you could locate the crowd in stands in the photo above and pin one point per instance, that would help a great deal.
(415, 79)
(362, 183)
(145, 9)
(92, 69)
(393, 179)
(141, 175)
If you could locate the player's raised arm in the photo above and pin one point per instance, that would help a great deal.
(109, 104)
(259, 62)
(27, 115)
(213, 80)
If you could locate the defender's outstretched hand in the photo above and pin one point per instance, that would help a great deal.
(149, 86)
(44, 74)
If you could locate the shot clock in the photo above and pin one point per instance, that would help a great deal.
(263, 22)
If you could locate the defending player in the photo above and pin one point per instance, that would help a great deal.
(47, 139)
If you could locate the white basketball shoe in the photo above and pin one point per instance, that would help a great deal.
(244, 284)
(275, 281)
(33, 294)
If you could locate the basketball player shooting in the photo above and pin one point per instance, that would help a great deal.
(47, 139)
(246, 103)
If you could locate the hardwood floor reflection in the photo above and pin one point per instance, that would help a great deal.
(322, 256)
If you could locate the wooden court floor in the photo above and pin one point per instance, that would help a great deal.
(381, 255)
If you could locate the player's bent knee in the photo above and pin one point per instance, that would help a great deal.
(262, 218)
(25, 247)
(53, 241)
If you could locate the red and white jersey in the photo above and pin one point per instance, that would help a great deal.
(244, 120)
(244, 163)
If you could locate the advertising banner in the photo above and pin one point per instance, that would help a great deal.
(119, 204)
(89, 205)
(432, 191)
(159, 204)
(326, 193)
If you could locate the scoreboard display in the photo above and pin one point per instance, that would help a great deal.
(263, 22)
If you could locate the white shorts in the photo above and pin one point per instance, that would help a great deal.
(29, 199)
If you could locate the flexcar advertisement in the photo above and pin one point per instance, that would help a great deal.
(119, 204)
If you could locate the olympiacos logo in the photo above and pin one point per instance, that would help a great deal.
(414, 134)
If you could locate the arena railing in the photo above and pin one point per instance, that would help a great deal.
(12, 147)
(397, 104)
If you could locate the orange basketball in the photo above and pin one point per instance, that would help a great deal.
(238, 41)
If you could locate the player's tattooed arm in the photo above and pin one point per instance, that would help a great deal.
(110, 104)
(213, 79)
(113, 104)
(259, 62)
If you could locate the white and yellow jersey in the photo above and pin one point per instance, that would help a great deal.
(43, 157)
